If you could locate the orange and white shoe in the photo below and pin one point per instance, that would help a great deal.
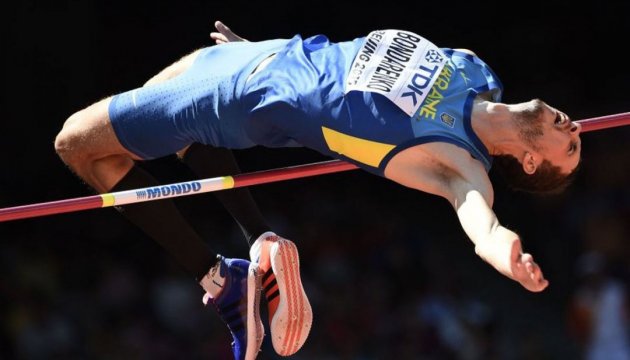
(290, 313)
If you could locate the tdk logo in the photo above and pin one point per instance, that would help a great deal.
(168, 190)
(433, 56)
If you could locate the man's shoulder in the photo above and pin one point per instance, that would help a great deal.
(438, 167)
(442, 155)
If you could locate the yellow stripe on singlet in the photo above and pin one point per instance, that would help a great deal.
(365, 151)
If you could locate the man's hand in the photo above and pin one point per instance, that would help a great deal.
(224, 34)
(504, 252)
(525, 270)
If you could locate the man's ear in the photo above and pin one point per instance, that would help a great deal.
(529, 164)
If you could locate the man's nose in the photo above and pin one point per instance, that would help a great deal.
(576, 127)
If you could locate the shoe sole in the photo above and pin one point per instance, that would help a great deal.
(255, 329)
(292, 321)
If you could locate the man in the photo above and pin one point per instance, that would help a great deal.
(391, 102)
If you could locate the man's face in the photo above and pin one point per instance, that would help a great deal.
(551, 133)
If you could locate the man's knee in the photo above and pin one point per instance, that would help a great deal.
(84, 135)
(68, 140)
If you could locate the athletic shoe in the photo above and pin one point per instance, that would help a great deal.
(290, 313)
(238, 305)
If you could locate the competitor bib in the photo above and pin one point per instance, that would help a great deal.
(398, 64)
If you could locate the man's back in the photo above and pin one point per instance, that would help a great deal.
(361, 127)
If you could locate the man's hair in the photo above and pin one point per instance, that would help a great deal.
(548, 178)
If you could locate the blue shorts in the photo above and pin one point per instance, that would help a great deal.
(161, 119)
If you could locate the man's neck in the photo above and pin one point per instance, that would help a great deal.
(492, 123)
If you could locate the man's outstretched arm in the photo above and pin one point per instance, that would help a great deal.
(497, 245)
(465, 184)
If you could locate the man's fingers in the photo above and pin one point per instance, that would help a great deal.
(228, 35)
(534, 271)
(533, 276)
(538, 278)
(541, 285)
(221, 27)
(218, 38)
(545, 283)
(527, 272)
(537, 286)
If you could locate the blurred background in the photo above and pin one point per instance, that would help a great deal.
(389, 272)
